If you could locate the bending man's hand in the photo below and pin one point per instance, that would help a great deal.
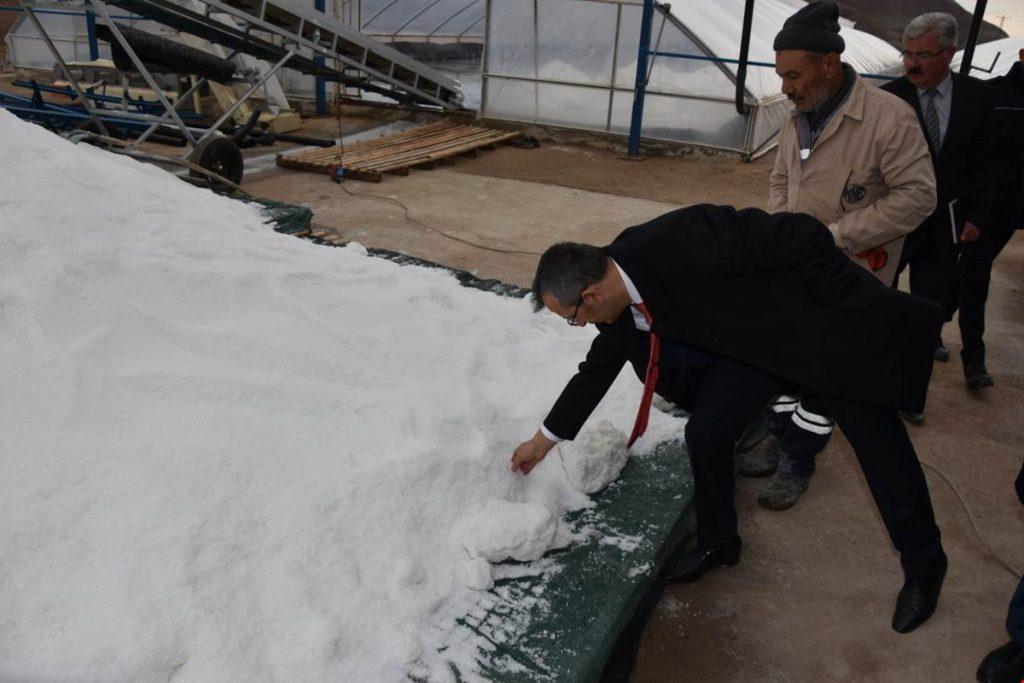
(970, 233)
(529, 453)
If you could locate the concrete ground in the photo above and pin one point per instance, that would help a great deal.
(813, 596)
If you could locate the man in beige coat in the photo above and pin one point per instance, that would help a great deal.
(854, 157)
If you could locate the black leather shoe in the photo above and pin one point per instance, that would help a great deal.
(977, 377)
(916, 602)
(692, 565)
(941, 353)
(1004, 664)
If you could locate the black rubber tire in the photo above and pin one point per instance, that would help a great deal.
(220, 155)
(89, 125)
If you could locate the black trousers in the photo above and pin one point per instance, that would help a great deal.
(931, 255)
(975, 275)
(726, 396)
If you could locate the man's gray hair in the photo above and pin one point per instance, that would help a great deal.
(940, 22)
(565, 270)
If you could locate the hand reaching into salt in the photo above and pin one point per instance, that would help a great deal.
(529, 453)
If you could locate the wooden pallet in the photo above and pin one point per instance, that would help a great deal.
(421, 147)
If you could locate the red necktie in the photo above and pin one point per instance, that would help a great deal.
(650, 380)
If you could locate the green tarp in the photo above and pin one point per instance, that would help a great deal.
(579, 616)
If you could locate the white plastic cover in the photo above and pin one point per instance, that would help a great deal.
(997, 55)
(404, 19)
(589, 45)
(719, 24)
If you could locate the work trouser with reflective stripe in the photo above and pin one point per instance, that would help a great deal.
(803, 425)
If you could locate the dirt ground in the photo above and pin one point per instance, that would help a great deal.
(813, 596)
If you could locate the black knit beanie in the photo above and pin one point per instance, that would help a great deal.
(814, 28)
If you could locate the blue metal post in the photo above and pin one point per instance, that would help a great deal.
(321, 85)
(90, 26)
(640, 86)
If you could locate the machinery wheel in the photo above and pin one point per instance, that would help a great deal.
(220, 155)
(89, 125)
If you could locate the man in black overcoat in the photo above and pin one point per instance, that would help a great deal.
(1007, 191)
(955, 113)
(744, 305)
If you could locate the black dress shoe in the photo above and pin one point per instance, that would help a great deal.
(977, 377)
(916, 602)
(692, 565)
(1004, 664)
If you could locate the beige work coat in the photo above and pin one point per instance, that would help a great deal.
(869, 177)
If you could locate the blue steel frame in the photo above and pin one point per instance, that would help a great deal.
(320, 89)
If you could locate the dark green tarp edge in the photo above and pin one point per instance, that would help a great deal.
(587, 624)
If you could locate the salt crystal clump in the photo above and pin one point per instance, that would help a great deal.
(357, 248)
(500, 529)
(595, 458)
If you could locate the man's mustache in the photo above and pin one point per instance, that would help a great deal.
(915, 72)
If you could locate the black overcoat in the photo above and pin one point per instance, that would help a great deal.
(768, 290)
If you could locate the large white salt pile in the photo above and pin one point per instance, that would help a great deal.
(231, 455)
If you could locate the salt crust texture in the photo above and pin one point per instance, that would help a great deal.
(595, 458)
(229, 454)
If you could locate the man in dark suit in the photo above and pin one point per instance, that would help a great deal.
(1007, 142)
(719, 310)
(954, 112)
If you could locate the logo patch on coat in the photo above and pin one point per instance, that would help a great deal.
(854, 193)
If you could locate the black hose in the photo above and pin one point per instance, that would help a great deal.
(242, 132)
(305, 139)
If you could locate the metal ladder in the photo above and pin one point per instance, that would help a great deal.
(270, 29)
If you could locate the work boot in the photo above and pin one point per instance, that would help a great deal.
(782, 491)
(941, 353)
(761, 460)
(977, 377)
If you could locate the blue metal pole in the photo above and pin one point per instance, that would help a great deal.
(321, 85)
(94, 46)
(640, 85)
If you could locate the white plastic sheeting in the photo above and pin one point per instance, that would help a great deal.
(68, 31)
(573, 63)
(997, 55)
(441, 20)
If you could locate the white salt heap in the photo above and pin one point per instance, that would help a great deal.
(232, 455)
(595, 458)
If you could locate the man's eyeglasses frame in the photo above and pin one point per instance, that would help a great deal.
(921, 56)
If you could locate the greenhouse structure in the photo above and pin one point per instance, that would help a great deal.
(569, 63)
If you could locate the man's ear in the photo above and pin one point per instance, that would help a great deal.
(593, 294)
(833, 64)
